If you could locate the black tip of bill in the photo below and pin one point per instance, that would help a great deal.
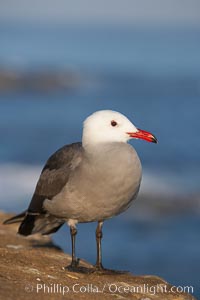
(154, 139)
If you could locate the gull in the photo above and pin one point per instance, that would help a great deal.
(89, 181)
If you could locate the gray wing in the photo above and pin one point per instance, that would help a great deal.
(55, 175)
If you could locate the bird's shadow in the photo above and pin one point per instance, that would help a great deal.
(50, 245)
(94, 271)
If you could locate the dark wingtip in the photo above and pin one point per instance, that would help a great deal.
(6, 222)
(15, 219)
(27, 225)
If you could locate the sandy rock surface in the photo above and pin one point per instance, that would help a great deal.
(34, 267)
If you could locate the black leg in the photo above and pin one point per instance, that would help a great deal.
(74, 266)
(73, 232)
(75, 262)
(99, 235)
(98, 267)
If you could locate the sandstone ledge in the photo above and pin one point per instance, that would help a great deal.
(33, 267)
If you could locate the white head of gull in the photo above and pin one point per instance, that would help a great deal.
(107, 126)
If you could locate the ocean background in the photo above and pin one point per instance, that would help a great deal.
(150, 74)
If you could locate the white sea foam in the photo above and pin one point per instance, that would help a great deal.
(17, 183)
(159, 183)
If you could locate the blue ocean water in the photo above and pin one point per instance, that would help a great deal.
(152, 76)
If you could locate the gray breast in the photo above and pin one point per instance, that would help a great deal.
(103, 185)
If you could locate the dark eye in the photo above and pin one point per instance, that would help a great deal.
(113, 123)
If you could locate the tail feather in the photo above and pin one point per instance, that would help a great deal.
(42, 223)
(16, 219)
(35, 223)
